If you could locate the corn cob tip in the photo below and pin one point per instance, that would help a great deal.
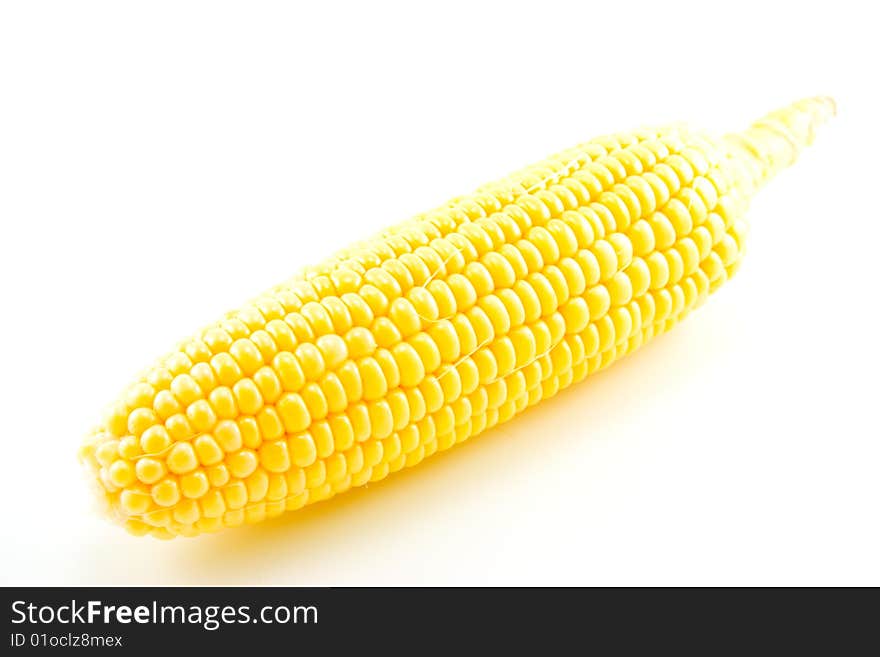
(776, 140)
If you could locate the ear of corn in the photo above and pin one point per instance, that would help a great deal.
(438, 329)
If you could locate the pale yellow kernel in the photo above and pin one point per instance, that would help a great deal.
(227, 436)
(427, 352)
(274, 456)
(187, 512)
(333, 350)
(659, 270)
(372, 378)
(268, 384)
(247, 355)
(242, 463)
(250, 431)
(235, 495)
(598, 300)
(223, 402)
(463, 291)
(679, 216)
(135, 502)
(322, 436)
(404, 316)
(576, 314)
(141, 419)
(409, 363)
(121, 473)
(294, 413)
(201, 415)
(606, 256)
(359, 416)
(226, 369)
(301, 449)
(289, 371)
(194, 484)
(639, 277)
(664, 232)
(182, 458)
(165, 404)
(149, 470)
(381, 419)
(178, 427)
(208, 450)
(218, 475)
(155, 440)
(185, 389)
(204, 376)
(389, 367)
(166, 493)
(676, 265)
(311, 360)
(360, 342)
(690, 255)
(619, 289)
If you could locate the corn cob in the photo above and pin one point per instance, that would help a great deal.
(438, 329)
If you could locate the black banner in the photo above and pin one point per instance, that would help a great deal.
(392, 620)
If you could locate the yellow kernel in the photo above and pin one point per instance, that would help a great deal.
(274, 456)
(409, 363)
(463, 291)
(405, 317)
(664, 232)
(247, 355)
(385, 332)
(135, 502)
(333, 350)
(121, 473)
(182, 458)
(194, 485)
(247, 396)
(576, 314)
(178, 427)
(200, 415)
(599, 301)
(226, 369)
(218, 475)
(268, 384)
(242, 463)
(316, 475)
(360, 342)
(204, 377)
(165, 493)
(315, 402)
(208, 450)
(322, 436)
(227, 436)
(639, 276)
(381, 419)
(427, 351)
(302, 450)
(149, 470)
(141, 419)
(372, 378)
(294, 413)
(223, 402)
(235, 495)
(311, 361)
(155, 440)
(659, 270)
(620, 289)
(165, 404)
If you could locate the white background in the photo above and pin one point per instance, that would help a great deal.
(161, 162)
